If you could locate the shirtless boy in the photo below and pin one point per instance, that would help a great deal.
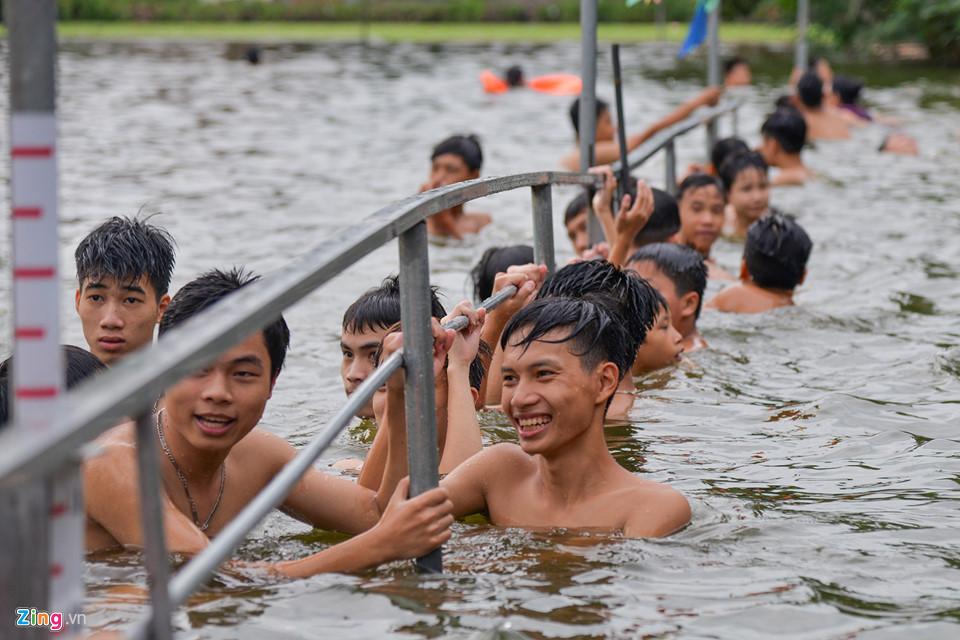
(563, 360)
(124, 268)
(824, 122)
(702, 201)
(607, 150)
(745, 179)
(774, 264)
(679, 273)
(784, 133)
(213, 461)
(456, 159)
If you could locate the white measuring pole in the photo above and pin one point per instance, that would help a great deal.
(38, 365)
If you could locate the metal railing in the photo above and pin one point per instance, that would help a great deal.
(665, 140)
(130, 388)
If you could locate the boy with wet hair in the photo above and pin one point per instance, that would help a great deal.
(774, 264)
(214, 460)
(736, 73)
(784, 133)
(455, 159)
(563, 361)
(124, 267)
(702, 199)
(365, 323)
(823, 120)
(493, 261)
(744, 177)
(679, 273)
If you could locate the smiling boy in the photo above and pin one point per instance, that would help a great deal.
(214, 460)
(124, 268)
(563, 359)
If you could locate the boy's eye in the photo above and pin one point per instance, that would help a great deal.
(544, 373)
(131, 300)
(245, 374)
(96, 297)
(508, 378)
(347, 354)
(372, 357)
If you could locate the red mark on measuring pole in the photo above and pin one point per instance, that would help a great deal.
(34, 272)
(58, 509)
(30, 333)
(27, 212)
(31, 152)
(56, 569)
(35, 393)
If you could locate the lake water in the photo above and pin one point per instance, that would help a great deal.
(819, 445)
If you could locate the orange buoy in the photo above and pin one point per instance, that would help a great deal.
(492, 83)
(557, 84)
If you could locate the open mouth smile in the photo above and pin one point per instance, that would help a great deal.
(213, 425)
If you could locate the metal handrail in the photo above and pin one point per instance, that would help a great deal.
(131, 387)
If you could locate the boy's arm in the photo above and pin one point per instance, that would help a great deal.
(409, 528)
(111, 488)
(659, 511)
(463, 431)
(709, 96)
(371, 473)
(466, 485)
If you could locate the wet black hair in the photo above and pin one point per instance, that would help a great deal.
(725, 148)
(595, 334)
(127, 249)
(465, 146)
(601, 106)
(663, 222)
(777, 251)
(738, 163)
(493, 261)
(632, 297)
(683, 265)
(784, 102)
(698, 181)
(848, 89)
(79, 364)
(810, 89)
(379, 308)
(211, 287)
(477, 370)
(514, 76)
(729, 65)
(787, 127)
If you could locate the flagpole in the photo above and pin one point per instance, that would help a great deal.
(713, 66)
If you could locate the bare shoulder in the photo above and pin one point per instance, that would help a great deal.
(263, 450)
(720, 300)
(659, 510)
(504, 460)
(116, 452)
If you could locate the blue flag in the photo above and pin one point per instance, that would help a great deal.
(698, 30)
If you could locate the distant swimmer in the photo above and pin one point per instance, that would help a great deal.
(774, 265)
(823, 121)
(456, 159)
(784, 135)
(606, 149)
(679, 273)
(214, 460)
(124, 267)
(558, 84)
(563, 359)
(737, 73)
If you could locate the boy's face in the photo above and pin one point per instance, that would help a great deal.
(548, 396)
(358, 360)
(662, 346)
(680, 306)
(577, 232)
(739, 76)
(750, 194)
(701, 217)
(118, 318)
(449, 168)
(768, 149)
(215, 408)
(606, 130)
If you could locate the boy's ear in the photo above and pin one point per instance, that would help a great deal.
(161, 306)
(744, 272)
(477, 405)
(802, 278)
(688, 304)
(76, 300)
(609, 381)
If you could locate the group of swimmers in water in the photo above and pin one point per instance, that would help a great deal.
(558, 358)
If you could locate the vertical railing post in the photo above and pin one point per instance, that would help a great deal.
(670, 167)
(420, 402)
(588, 103)
(151, 515)
(713, 67)
(800, 52)
(42, 522)
(543, 227)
